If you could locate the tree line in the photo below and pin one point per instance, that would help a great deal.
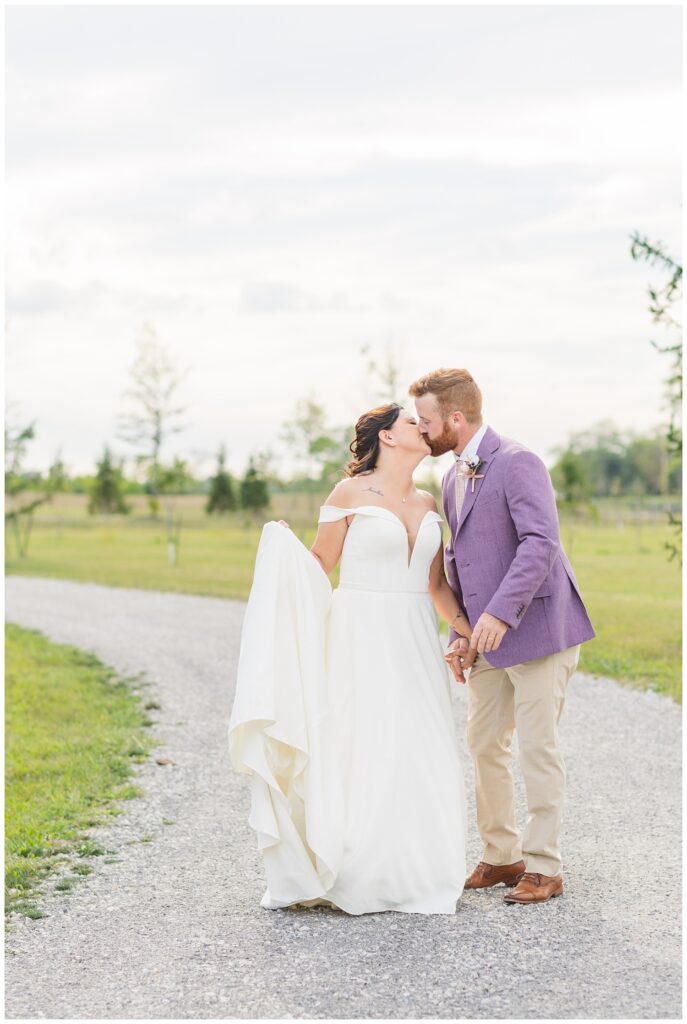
(599, 462)
(603, 462)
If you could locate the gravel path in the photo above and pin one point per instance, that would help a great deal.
(173, 928)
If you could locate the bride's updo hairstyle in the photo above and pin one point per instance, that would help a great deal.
(365, 444)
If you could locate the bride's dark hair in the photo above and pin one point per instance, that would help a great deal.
(365, 444)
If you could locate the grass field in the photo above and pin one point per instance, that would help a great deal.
(631, 589)
(73, 731)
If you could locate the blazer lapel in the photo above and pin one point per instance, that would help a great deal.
(489, 444)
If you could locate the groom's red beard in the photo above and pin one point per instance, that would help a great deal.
(445, 442)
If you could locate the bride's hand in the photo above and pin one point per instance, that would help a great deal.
(469, 659)
(455, 656)
(460, 657)
(457, 669)
(282, 523)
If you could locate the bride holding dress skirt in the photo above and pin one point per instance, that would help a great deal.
(342, 715)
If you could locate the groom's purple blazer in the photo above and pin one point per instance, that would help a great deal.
(505, 555)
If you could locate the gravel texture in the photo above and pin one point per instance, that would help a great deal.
(172, 928)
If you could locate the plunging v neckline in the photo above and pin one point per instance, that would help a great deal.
(383, 508)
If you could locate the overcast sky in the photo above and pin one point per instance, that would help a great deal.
(271, 188)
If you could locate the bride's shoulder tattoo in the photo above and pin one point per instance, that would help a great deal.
(381, 493)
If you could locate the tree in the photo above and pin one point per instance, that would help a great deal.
(19, 507)
(173, 479)
(332, 452)
(570, 479)
(151, 422)
(602, 462)
(25, 492)
(254, 493)
(106, 491)
(222, 497)
(662, 303)
(58, 476)
(152, 419)
(319, 450)
(264, 463)
(647, 459)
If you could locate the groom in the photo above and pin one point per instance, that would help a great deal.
(509, 572)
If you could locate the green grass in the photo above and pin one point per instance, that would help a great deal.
(633, 594)
(73, 730)
(631, 589)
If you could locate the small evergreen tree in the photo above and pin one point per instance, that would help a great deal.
(254, 492)
(222, 497)
(106, 495)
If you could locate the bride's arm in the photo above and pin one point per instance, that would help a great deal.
(458, 655)
(329, 544)
(445, 600)
(329, 541)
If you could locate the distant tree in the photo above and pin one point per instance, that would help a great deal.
(106, 491)
(81, 483)
(58, 475)
(24, 491)
(175, 477)
(222, 496)
(602, 449)
(319, 450)
(333, 452)
(254, 492)
(613, 464)
(303, 434)
(152, 419)
(663, 302)
(172, 480)
(264, 462)
(570, 479)
(648, 462)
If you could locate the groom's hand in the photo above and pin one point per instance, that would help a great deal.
(488, 633)
(455, 656)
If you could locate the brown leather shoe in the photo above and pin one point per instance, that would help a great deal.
(485, 875)
(534, 887)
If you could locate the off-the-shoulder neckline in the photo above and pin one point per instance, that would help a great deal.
(382, 508)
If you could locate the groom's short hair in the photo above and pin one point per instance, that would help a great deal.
(454, 390)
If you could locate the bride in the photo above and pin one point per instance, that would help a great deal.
(342, 714)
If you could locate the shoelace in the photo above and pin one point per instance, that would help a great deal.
(531, 876)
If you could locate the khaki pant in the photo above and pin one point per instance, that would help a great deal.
(530, 698)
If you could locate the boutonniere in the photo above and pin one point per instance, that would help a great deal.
(473, 464)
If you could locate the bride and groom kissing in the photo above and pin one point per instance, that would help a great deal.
(342, 715)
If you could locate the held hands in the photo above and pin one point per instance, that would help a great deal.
(488, 633)
(460, 657)
(486, 636)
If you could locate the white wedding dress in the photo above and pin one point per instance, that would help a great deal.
(342, 718)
